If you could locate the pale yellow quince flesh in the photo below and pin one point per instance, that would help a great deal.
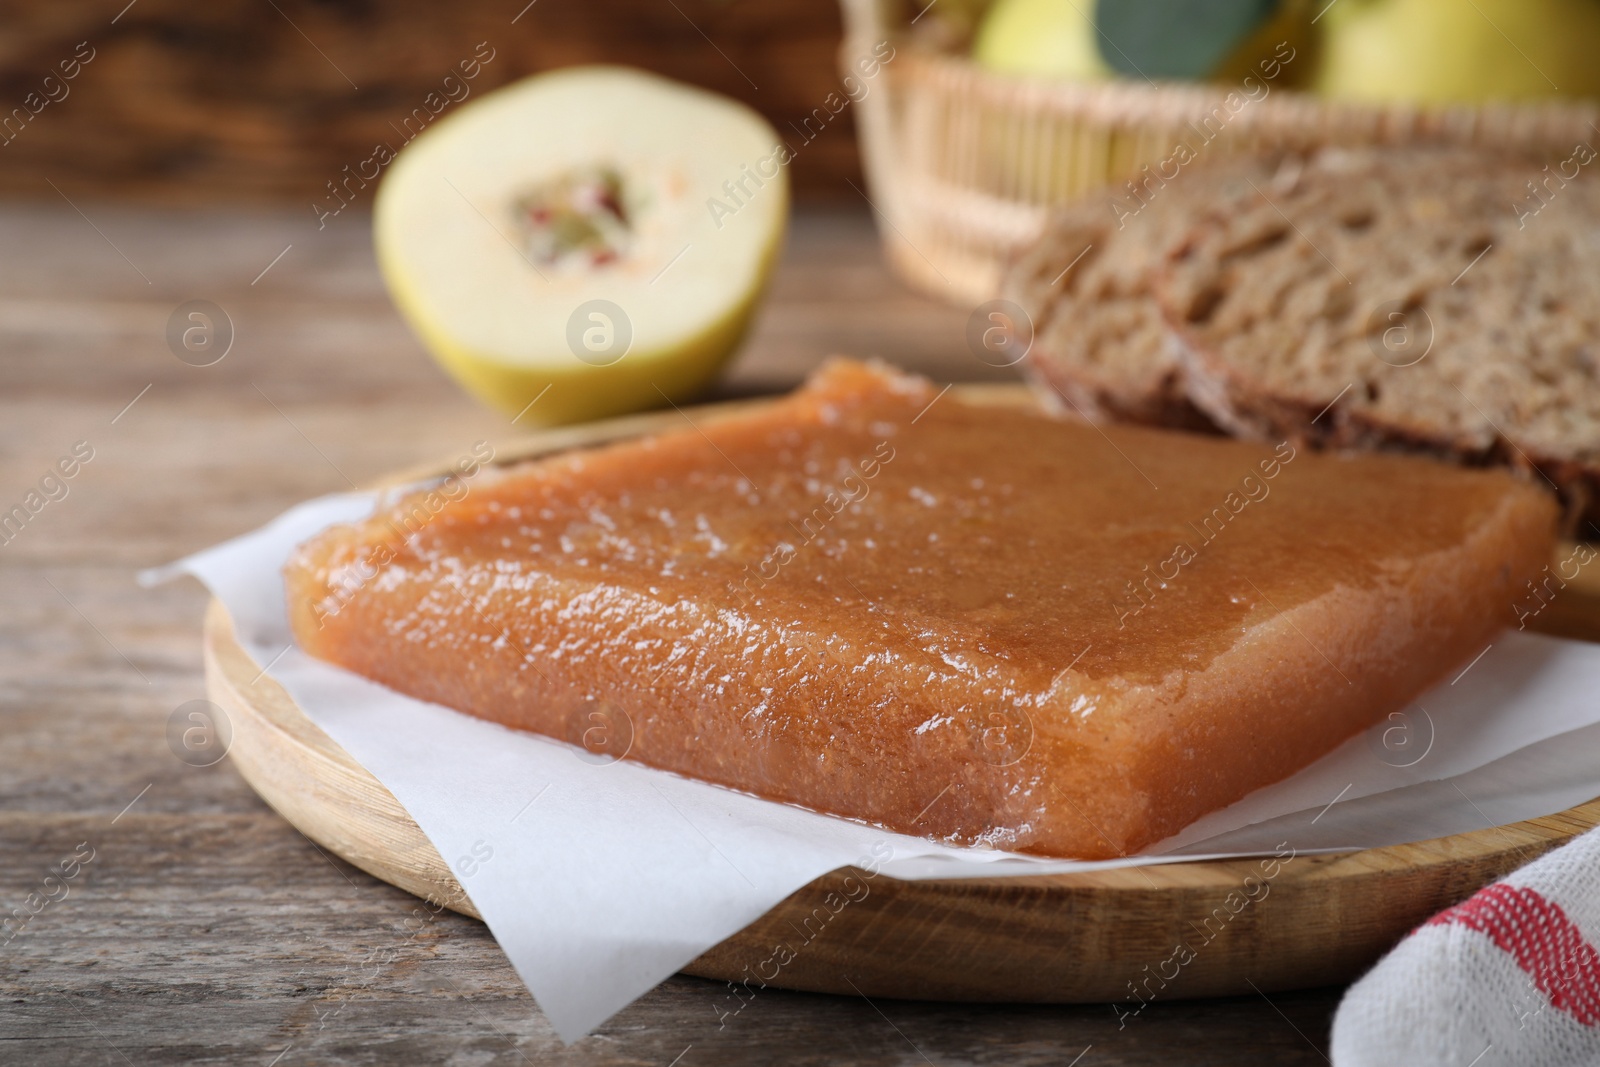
(590, 241)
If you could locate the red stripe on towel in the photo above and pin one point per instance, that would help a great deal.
(1545, 943)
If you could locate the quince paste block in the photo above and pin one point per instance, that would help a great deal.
(984, 625)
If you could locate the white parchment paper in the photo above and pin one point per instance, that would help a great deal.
(600, 880)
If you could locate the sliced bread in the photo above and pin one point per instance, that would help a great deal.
(1434, 299)
(1100, 343)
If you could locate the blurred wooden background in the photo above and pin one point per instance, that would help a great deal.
(188, 102)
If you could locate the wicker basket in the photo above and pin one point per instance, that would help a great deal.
(963, 165)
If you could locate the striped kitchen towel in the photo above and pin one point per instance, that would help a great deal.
(1509, 976)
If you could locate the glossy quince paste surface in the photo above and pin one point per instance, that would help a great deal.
(976, 623)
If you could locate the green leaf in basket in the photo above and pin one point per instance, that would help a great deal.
(1175, 39)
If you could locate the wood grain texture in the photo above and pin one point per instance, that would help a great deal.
(1064, 938)
(238, 99)
(207, 930)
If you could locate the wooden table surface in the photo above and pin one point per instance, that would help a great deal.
(205, 929)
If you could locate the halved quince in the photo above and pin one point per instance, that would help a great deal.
(594, 239)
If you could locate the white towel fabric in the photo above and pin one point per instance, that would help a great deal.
(1509, 976)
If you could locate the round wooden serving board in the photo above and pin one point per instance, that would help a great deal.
(1101, 936)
